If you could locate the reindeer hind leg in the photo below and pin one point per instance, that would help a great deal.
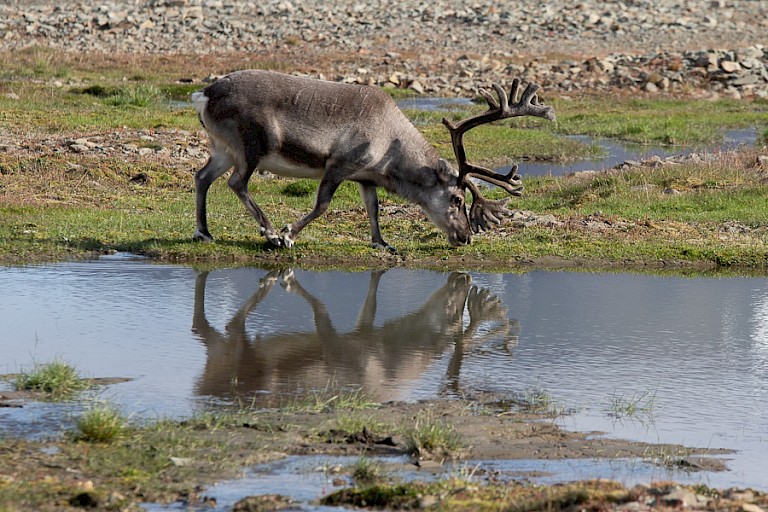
(218, 163)
(238, 182)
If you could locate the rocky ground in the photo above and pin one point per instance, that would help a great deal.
(712, 47)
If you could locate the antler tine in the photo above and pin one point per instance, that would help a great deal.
(513, 88)
(503, 103)
(528, 105)
(484, 212)
(510, 182)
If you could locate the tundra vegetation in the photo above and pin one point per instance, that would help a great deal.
(98, 157)
(129, 186)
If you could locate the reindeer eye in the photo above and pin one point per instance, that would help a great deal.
(457, 201)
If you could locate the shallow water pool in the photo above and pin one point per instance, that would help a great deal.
(691, 352)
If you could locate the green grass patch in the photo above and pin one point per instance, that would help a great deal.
(501, 143)
(391, 497)
(458, 495)
(101, 423)
(659, 121)
(141, 95)
(637, 220)
(352, 423)
(330, 398)
(300, 188)
(58, 380)
(137, 107)
(429, 438)
(55, 204)
(716, 191)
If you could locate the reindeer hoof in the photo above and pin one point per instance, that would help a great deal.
(286, 240)
(271, 236)
(385, 246)
(288, 279)
(201, 236)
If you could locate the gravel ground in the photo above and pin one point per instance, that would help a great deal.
(502, 28)
(712, 47)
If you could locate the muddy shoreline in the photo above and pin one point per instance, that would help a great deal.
(489, 428)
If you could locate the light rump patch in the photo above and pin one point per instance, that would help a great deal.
(282, 166)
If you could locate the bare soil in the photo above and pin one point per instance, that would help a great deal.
(489, 432)
(488, 428)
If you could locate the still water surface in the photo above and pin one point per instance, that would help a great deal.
(614, 152)
(188, 338)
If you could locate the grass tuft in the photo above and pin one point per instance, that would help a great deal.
(331, 398)
(431, 439)
(541, 402)
(101, 424)
(58, 379)
(633, 406)
(359, 423)
(142, 95)
(367, 471)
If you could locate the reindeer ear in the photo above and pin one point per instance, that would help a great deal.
(446, 172)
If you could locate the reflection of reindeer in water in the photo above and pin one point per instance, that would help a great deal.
(400, 349)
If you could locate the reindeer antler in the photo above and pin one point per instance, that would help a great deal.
(484, 212)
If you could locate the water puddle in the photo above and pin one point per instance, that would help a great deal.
(306, 479)
(434, 104)
(615, 152)
(302, 479)
(593, 342)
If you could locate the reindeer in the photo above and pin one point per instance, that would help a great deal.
(397, 350)
(305, 128)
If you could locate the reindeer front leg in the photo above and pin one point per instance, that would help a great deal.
(325, 191)
(371, 202)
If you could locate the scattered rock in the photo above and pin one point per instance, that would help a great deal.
(79, 148)
(264, 503)
(453, 49)
(680, 497)
(739, 495)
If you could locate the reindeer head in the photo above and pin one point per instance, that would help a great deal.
(485, 213)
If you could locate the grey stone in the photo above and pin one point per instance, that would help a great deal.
(79, 148)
